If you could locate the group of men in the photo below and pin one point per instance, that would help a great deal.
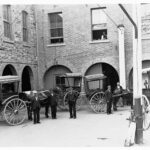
(72, 97)
(109, 97)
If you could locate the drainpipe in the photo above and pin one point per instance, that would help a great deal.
(137, 76)
(37, 46)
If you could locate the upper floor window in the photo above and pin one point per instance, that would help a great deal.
(25, 26)
(56, 28)
(99, 24)
(7, 21)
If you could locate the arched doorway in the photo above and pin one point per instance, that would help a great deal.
(51, 76)
(9, 70)
(145, 64)
(27, 79)
(107, 70)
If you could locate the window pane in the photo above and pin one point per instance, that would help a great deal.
(25, 34)
(54, 33)
(7, 30)
(8, 12)
(98, 16)
(57, 32)
(7, 21)
(24, 18)
(99, 34)
(57, 80)
(60, 32)
(5, 12)
(55, 20)
(57, 40)
(99, 26)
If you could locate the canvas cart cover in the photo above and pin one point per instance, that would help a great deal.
(72, 75)
(9, 79)
(145, 70)
(41, 94)
(95, 77)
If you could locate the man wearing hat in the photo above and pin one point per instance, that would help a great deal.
(53, 104)
(36, 108)
(72, 98)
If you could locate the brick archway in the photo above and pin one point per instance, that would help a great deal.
(9, 70)
(27, 79)
(52, 74)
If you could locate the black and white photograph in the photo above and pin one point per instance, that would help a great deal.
(74, 74)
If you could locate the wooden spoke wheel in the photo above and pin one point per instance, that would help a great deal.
(146, 112)
(98, 102)
(60, 102)
(15, 111)
(78, 102)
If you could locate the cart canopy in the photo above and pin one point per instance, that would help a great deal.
(9, 79)
(71, 75)
(145, 70)
(95, 77)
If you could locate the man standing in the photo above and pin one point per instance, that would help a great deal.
(36, 108)
(108, 95)
(53, 104)
(118, 90)
(72, 98)
(146, 84)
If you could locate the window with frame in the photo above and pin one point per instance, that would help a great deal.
(59, 80)
(99, 24)
(25, 26)
(7, 21)
(56, 28)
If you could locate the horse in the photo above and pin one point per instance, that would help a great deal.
(44, 97)
(127, 97)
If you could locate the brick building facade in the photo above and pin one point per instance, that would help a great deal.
(43, 58)
(78, 52)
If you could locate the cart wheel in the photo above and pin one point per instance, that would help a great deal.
(15, 111)
(98, 102)
(146, 112)
(78, 102)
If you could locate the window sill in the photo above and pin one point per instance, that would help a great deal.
(8, 41)
(26, 45)
(146, 38)
(99, 41)
(55, 45)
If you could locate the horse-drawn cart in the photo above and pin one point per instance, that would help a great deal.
(12, 109)
(79, 82)
(71, 80)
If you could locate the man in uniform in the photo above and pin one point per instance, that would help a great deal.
(108, 95)
(72, 98)
(36, 108)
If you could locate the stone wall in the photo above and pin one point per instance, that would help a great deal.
(16, 52)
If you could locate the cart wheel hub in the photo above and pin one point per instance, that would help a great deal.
(16, 112)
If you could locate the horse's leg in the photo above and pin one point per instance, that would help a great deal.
(115, 100)
(46, 110)
(30, 112)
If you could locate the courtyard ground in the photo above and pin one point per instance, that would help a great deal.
(88, 130)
